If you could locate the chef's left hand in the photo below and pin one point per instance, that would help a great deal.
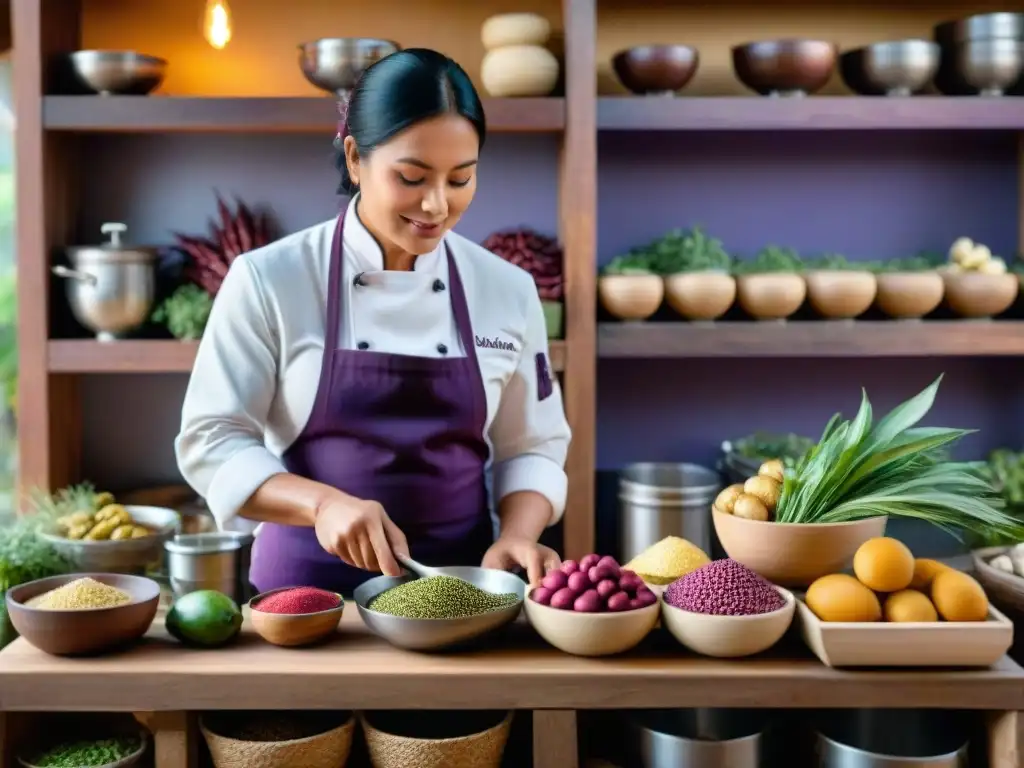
(509, 551)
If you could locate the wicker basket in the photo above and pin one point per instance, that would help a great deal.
(477, 750)
(329, 749)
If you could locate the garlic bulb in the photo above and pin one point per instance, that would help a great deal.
(994, 266)
(1002, 563)
(960, 249)
(976, 257)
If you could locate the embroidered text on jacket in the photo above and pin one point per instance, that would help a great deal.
(495, 343)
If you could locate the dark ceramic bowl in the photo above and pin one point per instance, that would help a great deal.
(894, 68)
(785, 67)
(87, 631)
(656, 70)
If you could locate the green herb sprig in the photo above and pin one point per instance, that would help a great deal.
(863, 469)
(770, 260)
(185, 312)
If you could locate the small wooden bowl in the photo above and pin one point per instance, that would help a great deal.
(291, 630)
(86, 631)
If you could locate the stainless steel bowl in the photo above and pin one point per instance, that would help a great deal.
(334, 64)
(989, 66)
(982, 26)
(212, 560)
(437, 634)
(882, 738)
(696, 737)
(895, 68)
(124, 73)
(129, 556)
(111, 287)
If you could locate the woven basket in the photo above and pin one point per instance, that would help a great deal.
(477, 750)
(329, 749)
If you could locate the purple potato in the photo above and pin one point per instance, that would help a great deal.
(630, 582)
(607, 588)
(563, 599)
(542, 595)
(588, 602)
(646, 596)
(569, 566)
(610, 562)
(589, 561)
(619, 602)
(579, 583)
(635, 603)
(598, 574)
(555, 580)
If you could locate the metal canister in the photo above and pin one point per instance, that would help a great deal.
(659, 500)
(893, 738)
(213, 560)
(697, 738)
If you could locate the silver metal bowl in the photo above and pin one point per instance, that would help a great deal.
(989, 66)
(334, 64)
(699, 737)
(982, 26)
(124, 73)
(877, 738)
(438, 634)
(895, 68)
(211, 560)
(127, 555)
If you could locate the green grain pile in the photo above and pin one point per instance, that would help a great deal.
(439, 597)
(78, 754)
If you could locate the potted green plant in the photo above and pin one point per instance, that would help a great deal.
(629, 288)
(909, 288)
(185, 312)
(771, 286)
(839, 289)
(696, 270)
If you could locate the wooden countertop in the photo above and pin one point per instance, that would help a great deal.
(358, 670)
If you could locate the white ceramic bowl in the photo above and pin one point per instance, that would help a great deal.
(592, 634)
(729, 637)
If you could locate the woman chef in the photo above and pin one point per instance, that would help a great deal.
(358, 378)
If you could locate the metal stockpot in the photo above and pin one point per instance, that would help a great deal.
(659, 500)
(217, 561)
(697, 738)
(893, 738)
(111, 287)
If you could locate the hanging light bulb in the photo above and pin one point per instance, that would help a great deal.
(217, 23)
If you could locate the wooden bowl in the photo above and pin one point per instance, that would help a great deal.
(793, 554)
(975, 295)
(773, 296)
(656, 70)
(700, 295)
(909, 295)
(79, 732)
(86, 631)
(592, 634)
(839, 294)
(785, 67)
(294, 629)
(631, 297)
(729, 637)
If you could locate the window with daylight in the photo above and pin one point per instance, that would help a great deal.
(8, 293)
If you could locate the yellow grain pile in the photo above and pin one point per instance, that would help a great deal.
(80, 594)
(668, 560)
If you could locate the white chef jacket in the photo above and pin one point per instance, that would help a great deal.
(258, 366)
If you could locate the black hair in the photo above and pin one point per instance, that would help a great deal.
(399, 91)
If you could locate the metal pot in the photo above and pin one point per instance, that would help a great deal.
(217, 561)
(893, 738)
(111, 287)
(697, 738)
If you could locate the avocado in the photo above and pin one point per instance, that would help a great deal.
(206, 618)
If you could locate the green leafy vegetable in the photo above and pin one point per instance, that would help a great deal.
(185, 312)
(771, 259)
(862, 468)
(629, 264)
(78, 754)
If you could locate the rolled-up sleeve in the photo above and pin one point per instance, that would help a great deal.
(220, 449)
(529, 434)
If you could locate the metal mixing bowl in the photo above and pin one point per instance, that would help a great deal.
(897, 68)
(335, 63)
(125, 73)
(437, 634)
(124, 556)
(989, 66)
(982, 26)
(785, 67)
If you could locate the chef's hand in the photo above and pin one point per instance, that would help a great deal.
(509, 551)
(360, 533)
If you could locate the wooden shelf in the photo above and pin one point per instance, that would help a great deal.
(884, 338)
(170, 114)
(154, 356)
(817, 113)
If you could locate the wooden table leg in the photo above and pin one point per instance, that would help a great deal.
(1006, 739)
(555, 743)
(175, 738)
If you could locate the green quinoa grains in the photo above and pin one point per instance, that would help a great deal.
(85, 754)
(439, 597)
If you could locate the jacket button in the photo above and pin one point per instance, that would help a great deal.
(442, 349)
(364, 345)
(438, 286)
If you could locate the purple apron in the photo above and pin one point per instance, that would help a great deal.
(405, 431)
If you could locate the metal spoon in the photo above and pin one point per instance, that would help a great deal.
(418, 569)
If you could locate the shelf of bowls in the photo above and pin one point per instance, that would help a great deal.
(694, 274)
(976, 55)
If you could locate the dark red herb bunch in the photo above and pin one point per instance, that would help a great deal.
(231, 234)
(539, 255)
